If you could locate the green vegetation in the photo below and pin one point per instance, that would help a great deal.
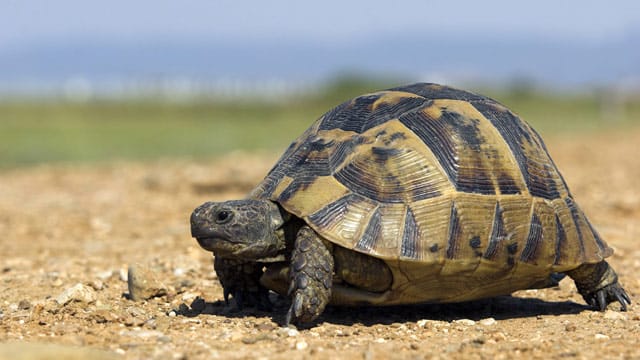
(44, 131)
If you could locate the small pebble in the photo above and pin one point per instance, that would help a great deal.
(499, 336)
(601, 337)
(97, 284)
(465, 322)
(136, 311)
(488, 321)
(301, 345)
(78, 292)
(104, 275)
(122, 275)
(179, 272)
(172, 313)
(422, 323)
(290, 332)
(189, 296)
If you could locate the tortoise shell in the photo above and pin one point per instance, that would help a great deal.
(428, 176)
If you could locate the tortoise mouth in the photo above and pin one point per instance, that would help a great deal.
(218, 245)
(234, 250)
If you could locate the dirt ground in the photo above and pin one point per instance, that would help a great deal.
(66, 225)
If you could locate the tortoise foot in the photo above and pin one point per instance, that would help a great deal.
(608, 294)
(598, 284)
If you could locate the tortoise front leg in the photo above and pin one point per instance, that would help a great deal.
(242, 280)
(310, 277)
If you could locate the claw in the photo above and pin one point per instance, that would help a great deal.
(297, 306)
(601, 301)
(287, 320)
(621, 299)
(295, 311)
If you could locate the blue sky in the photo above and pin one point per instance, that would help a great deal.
(34, 21)
(44, 43)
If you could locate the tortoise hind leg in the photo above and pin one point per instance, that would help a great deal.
(598, 285)
(310, 276)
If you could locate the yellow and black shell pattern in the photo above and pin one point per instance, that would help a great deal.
(430, 174)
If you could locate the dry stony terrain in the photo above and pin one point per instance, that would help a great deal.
(68, 235)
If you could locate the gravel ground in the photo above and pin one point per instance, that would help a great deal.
(69, 235)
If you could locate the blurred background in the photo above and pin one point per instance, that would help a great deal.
(88, 82)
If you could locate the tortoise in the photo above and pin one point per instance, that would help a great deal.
(416, 194)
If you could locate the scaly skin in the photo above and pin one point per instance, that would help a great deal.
(598, 285)
(241, 279)
(311, 276)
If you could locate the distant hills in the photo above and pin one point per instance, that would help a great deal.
(113, 64)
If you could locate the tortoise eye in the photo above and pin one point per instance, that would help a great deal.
(223, 216)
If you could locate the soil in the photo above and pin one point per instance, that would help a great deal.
(65, 225)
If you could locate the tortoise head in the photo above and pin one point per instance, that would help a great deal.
(241, 229)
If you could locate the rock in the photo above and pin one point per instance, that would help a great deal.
(601, 337)
(105, 275)
(189, 296)
(24, 305)
(143, 283)
(78, 292)
(465, 322)
(422, 323)
(97, 284)
(123, 275)
(301, 345)
(39, 351)
(488, 322)
(289, 332)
